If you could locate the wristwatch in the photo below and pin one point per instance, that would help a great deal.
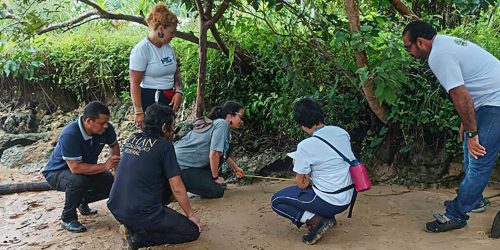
(179, 91)
(470, 134)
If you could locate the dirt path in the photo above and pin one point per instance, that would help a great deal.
(243, 219)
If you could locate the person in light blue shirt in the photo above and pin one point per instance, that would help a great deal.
(471, 76)
(154, 71)
(201, 152)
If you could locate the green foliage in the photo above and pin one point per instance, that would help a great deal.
(84, 62)
(298, 48)
(23, 61)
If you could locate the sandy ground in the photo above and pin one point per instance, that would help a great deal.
(386, 217)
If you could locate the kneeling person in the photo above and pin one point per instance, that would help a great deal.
(147, 177)
(73, 167)
(203, 150)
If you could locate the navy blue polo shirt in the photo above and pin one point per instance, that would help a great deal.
(75, 144)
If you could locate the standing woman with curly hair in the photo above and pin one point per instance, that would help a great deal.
(154, 72)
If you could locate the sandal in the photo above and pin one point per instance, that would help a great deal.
(443, 224)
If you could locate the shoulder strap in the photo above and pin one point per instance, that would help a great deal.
(336, 150)
(335, 192)
(353, 198)
(354, 194)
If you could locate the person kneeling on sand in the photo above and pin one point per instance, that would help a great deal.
(147, 177)
(324, 186)
(203, 150)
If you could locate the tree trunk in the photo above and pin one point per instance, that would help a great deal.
(202, 53)
(362, 61)
(24, 187)
(206, 21)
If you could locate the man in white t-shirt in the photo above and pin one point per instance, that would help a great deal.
(324, 185)
(471, 76)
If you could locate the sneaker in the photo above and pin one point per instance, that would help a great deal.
(73, 226)
(481, 207)
(191, 195)
(128, 241)
(443, 224)
(317, 226)
(495, 228)
(86, 210)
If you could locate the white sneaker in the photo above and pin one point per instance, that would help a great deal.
(191, 195)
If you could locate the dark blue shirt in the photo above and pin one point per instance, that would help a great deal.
(141, 181)
(75, 144)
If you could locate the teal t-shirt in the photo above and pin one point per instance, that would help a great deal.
(193, 149)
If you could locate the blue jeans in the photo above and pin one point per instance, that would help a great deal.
(477, 171)
(291, 202)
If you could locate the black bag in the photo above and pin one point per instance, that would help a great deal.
(495, 228)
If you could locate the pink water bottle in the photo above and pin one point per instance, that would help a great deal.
(359, 176)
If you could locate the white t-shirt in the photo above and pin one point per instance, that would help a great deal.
(158, 64)
(329, 172)
(457, 62)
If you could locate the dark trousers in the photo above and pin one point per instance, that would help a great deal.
(199, 181)
(79, 189)
(148, 98)
(172, 228)
(291, 202)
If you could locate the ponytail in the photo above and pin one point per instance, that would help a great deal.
(220, 112)
(216, 113)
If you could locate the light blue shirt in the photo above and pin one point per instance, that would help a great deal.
(193, 149)
(329, 171)
(457, 62)
(158, 64)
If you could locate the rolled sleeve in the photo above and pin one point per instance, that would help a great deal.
(220, 135)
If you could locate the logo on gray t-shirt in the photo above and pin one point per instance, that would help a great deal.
(166, 61)
(460, 42)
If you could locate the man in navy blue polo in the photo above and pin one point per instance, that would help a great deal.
(73, 167)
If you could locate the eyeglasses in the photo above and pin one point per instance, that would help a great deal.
(242, 117)
(408, 46)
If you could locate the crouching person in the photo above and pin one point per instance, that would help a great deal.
(324, 186)
(147, 177)
(73, 168)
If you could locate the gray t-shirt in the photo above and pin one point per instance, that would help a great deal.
(193, 149)
(158, 64)
(457, 62)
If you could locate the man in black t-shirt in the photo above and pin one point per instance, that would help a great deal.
(147, 176)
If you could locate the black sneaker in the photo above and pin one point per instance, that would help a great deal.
(86, 210)
(73, 226)
(126, 235)
(443, 224)
(495, 228)
(317, 226)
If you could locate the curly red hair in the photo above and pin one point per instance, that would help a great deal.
(161, 15)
